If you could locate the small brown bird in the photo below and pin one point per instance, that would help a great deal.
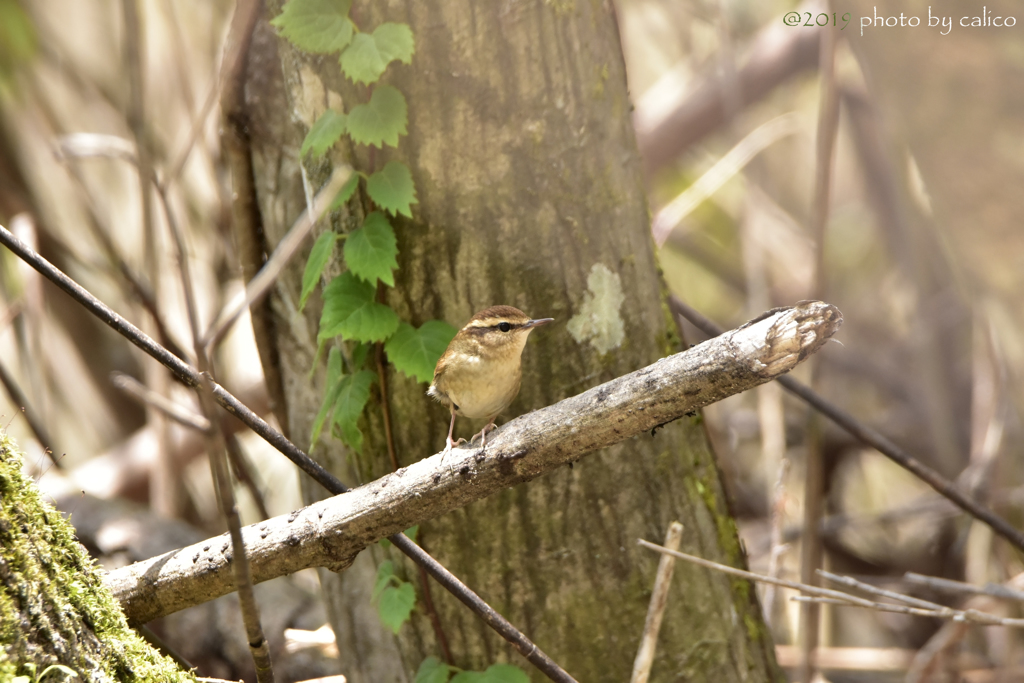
(479, 373)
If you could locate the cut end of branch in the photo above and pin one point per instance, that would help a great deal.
(788, 335)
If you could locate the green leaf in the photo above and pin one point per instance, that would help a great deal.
(359, 355)
(327, 130)
(412, 531)
(394, 41)
(333, 385)
(366, 58)
(349, 310)
(318, 258)
(371, 251)
(396, 605)
(320, 26)
(385, 572)
(353, 394)
(505, 673)
(415, 352)
(381, 120)
(432, 670)
(468, 677)
(392, 188)
(361, 61)
(346, 192)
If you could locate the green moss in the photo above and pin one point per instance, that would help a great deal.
(744, 599)
(54, 608)
(753, 627)
(602, 78)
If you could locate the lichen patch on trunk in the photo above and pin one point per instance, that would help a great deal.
(598, 320)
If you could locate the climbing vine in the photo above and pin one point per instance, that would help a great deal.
(351, 311)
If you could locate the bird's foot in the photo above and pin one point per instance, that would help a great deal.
(483, 434)
(448, 449)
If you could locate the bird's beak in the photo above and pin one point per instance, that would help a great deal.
(537, 323)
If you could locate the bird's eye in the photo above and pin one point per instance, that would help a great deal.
(504, 327)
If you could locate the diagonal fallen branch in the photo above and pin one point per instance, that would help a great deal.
(332, 532)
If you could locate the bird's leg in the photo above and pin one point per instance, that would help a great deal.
(449, 444)
(490, 426)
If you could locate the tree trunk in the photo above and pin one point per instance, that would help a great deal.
(530, 194)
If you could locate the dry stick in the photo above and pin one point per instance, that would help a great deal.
(992, 590)
(187, 418)
(246, 220)
(193, 134)
(137, 123)
(191, 377)
(243, 469)
(831, 597)
(286, 248)
(332, 532)
(19, 400)
(777, 546)
(84, 145)
(18, 397)
(656, 609)
(670, 215)
(259, 649)
(875, 590)
(216, 449)
(385, 405)
(147, 396)
(883, 445)
(970, 616)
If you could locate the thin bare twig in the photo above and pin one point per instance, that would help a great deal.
(428, 599)
(84, 145)
(739, 156)
(286, 249)
(656, 609)
(971, 616)
(216, 449)
(831, 597)
(37, 428)
(385, 405)
(777, 546)
(992, 590)
(876, 440)
(147, 396)
(851, 582)
(243, 470)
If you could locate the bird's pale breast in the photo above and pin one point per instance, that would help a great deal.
(485, 388)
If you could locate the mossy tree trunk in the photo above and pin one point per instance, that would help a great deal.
(54, 608)
(530, 194)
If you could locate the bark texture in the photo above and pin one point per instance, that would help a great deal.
(530, 194)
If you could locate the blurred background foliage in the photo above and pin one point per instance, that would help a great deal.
(921, 250)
